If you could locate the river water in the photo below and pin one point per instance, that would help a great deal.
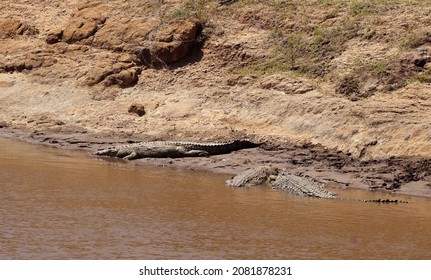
(61, 204)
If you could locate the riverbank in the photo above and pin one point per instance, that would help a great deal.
(328, 86)
(402, 175)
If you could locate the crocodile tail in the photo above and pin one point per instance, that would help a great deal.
(245, 143)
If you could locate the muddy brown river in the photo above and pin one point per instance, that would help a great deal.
(61, 204)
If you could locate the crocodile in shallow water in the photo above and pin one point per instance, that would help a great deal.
(254, 176)
(174, 149)
(285, 181)
(301, 185)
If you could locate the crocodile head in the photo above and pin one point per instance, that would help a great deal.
(111, 152)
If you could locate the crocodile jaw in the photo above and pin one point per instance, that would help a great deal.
(111, 152)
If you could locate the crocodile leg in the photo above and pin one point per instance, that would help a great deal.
(132, 155)
(196, 153)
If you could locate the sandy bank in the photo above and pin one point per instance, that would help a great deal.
(402, 175)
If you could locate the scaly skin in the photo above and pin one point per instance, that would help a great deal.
(281, 180)
(304, 186)
(174, 149)
(251, 177)
(285, 181)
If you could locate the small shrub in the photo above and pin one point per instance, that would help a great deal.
(417, 39)
(376, 68)
(192, 9)
(360, 8)
(311, 53)
(294, 46)
(349, 86)
(424, 77)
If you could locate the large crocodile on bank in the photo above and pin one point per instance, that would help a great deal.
(174, 149)
(254, 176)
(287, 182)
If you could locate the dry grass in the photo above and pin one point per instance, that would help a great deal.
(308, 35)
(196, 9)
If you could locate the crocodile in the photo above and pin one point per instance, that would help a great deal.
(301, 185)
(287, 182)
(174, 149)
(252, 177)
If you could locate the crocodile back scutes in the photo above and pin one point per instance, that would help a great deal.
(210, 147)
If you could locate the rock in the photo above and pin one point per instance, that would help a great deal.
(103, 68)
(152, 43)
(125, 78)
(108, 69)
(10, 28)
(79, 30)
(27, 61)
(137, 109)
(118, 46)
(54, 37)
(84, 23)
(124, 35)
(175, 40)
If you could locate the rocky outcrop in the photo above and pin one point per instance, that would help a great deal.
(123, 77)
(122, 47)
(108, 69)
(82, 24)
(127, 35)
(152, 41)
(80, 29)
(9, 28)
(27, 61)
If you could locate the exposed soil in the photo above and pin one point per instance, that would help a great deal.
(396, 175)
(340, 91)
